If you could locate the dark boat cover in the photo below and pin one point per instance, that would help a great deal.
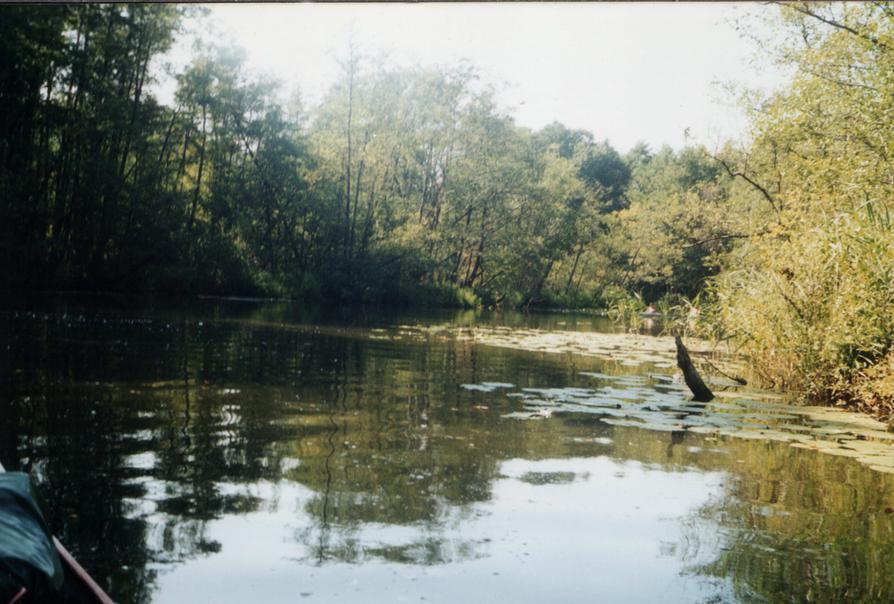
(30, 568)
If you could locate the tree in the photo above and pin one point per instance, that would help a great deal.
(810, 294)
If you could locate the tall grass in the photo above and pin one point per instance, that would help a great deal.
(814, 309)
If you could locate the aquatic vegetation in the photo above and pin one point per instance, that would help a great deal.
(629, 350)
(642, 402)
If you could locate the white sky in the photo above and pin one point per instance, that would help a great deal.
(626, 72)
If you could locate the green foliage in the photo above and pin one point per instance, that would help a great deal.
(624, 307)
(401, 183)
(809, 297)
(681, 221)
(812, 309)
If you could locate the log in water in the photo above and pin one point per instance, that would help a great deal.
(700, 391)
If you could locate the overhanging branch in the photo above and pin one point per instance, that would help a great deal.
(804, 10)
(734, 174)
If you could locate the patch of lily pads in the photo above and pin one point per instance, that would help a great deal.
(660, 401)
(659, 404)
(629, 350)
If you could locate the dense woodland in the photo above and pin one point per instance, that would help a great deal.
(402, 185)
(412, 186)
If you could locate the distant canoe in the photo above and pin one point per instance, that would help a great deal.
(650, 315)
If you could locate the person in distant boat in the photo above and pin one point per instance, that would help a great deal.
(650, 310)
(692, 318)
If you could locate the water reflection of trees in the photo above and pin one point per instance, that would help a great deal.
(135, 427)
(830, 548)
(791, 525)
(144, 432)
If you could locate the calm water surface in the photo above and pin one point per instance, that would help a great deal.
(240, 452)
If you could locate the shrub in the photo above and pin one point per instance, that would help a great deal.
(813, 309)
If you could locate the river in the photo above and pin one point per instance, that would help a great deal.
(241, 451)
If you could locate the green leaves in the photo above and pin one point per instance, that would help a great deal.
(812, 300)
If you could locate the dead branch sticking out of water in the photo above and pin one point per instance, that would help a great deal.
(700, 391)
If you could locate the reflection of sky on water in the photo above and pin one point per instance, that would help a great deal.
(612, 532)
(247, 453)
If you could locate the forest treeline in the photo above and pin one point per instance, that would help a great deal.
(402, 185)
(411, 185)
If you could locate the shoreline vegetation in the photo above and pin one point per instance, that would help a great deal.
(411, 187)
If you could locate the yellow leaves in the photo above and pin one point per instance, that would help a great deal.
(812, 310)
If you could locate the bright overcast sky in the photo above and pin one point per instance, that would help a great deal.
(626, 72)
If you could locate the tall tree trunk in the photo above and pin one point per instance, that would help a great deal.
(356, 205)
(535, 293)
(476, 267)
(349, 158)
(580, 251)
(195, 195)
